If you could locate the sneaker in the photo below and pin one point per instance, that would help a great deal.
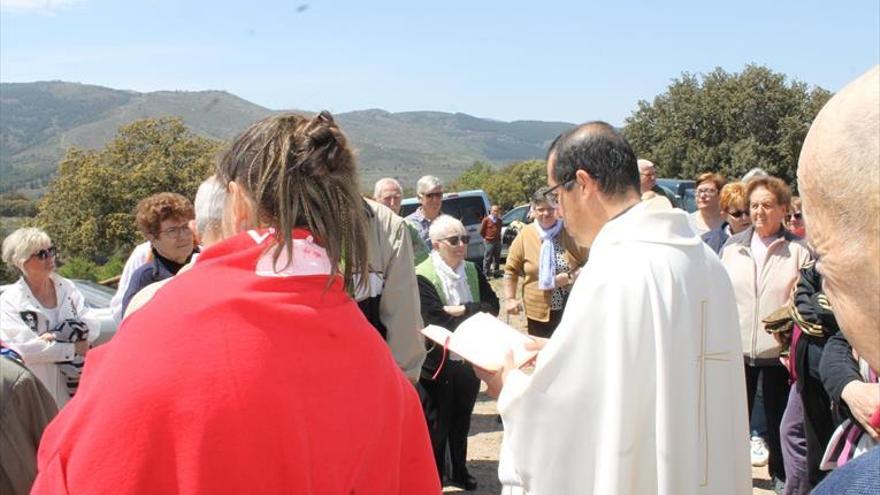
(760, 454)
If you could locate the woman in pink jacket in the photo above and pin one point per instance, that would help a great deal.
(763, 263)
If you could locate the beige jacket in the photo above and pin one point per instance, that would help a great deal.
(391, 299)
(26, 407)
(522, 260)
(785, 257)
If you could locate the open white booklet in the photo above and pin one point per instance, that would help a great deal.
(483, 340)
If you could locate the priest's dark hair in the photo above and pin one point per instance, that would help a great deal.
(301, 172)
(602, 152)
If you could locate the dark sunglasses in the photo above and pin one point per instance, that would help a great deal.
(738, 213)
(454, 240)
(433, 195)
(796, 216)
(49, 252)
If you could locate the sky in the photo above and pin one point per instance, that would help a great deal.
(507, 60)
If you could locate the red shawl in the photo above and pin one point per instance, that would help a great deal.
(233, 382)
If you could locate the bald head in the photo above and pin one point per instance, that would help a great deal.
(647, 175)
(839, 182)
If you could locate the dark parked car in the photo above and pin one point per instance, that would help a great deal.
(682, 191)
(511, 222)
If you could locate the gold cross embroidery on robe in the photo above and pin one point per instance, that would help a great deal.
(701, 403)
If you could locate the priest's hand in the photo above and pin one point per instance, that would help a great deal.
(863, 399)
(495, 379)
(536, 344)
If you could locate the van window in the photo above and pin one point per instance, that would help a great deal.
(406, 210)
(469, 210)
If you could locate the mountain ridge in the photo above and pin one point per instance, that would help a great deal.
(40, 120)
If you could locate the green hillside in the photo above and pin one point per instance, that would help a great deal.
(39, 121)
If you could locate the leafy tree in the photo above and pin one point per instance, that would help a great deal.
(508, 187)
(726, 122)
(77, 267)
(17, 205)
(112, 268)
(474, 177)
(89, 208)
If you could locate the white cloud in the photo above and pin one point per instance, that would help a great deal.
(41, 6)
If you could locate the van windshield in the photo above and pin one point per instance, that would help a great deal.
(469, 210)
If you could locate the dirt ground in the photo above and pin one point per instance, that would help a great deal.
(484, 442)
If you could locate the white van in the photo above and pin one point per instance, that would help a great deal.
(468, 206)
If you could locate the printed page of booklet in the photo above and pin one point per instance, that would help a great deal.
(484, 340)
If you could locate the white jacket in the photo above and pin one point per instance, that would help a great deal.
(23, 319)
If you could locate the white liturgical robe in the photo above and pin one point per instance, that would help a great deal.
(641, 388)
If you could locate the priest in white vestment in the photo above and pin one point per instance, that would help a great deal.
(641, 389)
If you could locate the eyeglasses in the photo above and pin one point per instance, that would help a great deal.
(179, 231)
(49, 252)
(433, 195)
(707, 192)
(552, 196)
(456, 239)
(796, 216)
(738, 213)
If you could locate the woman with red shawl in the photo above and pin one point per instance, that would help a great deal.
(254, 371)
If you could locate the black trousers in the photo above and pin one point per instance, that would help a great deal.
(775, 389)
(448, 405)
(544, 328)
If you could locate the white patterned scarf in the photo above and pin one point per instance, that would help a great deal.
(454, 282)
(547, 261)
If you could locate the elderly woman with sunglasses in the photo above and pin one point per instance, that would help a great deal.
(43, 317)
(451, 289)
(734, 212)
(549, 259)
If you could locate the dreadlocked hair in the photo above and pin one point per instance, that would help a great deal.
(300, 172)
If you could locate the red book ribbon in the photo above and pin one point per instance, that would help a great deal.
(443, 359)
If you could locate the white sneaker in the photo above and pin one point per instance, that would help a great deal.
(760, 454)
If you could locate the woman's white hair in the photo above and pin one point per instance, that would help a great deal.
(445, 226)
(20, 245)
(754, 174)
(209, 202)
(426, 183)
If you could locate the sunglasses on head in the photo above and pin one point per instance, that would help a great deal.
(49, 252)
(456, 239)
(738, 213)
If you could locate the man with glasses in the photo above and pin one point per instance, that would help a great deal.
(164, 220)
(641, 387)
(430, 192)
(648, 183)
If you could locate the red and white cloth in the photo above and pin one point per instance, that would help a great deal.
(234, 381)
